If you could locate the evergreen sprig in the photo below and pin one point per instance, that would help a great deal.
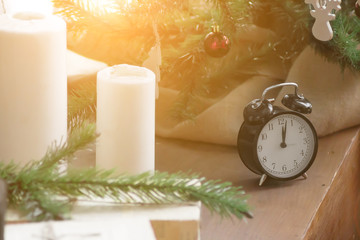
(82, 103)
(41, 191)
(30, 198)
(88, 25)
(343, 48)
(125, 35)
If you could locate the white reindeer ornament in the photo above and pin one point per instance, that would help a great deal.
(323, 11)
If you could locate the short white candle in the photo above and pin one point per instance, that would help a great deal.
(126, 119)
(33, 85)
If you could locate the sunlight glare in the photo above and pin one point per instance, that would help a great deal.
(41, 6)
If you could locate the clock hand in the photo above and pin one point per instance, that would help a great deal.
(283, 135)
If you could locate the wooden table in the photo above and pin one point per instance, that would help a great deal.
(325, 206)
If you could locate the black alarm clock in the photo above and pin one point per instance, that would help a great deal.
(276, 142)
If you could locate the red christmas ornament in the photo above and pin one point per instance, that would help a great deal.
(216, 43)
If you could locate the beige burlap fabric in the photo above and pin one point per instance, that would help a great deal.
(219, 123)
(335, 97)
(221, 117)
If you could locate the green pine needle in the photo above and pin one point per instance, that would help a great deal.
(182, 25)
(125, 35)
(42, 192)
(82, 103)
(78, 139)
(343, 48)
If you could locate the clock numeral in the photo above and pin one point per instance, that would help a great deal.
(284, 168)
(301, 129)
(281, 121)
(302, 153)
(306, 141)
(264, 159)
(271, 126)
(295, 163)
(273, 164)
(291, 122)
(263, 136)
(260, 148)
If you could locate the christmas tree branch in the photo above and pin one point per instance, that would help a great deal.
(82, 103)
(79, 138)
(182, 27)
(147, 188)
(289, 20)
(88, 28)
(38, 205)
(343, 48)
(42, 192)
(125, 35)
(78, 14)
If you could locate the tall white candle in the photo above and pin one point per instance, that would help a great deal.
(33, 85)
(14, 6)
(126, 119)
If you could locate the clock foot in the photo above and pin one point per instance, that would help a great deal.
(262, 179)
(305, 176)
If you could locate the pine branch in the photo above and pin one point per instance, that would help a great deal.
(182, 27)
(80, 13)
(96, 8)
(186, 69)
(79, 138)
(126, 35)
(119, 41)
(38, 206)
(184, 107)
(343, 48)
(147, 188)
(289, 20)
(82, 102)
(31, 199)
(223, 8)
(42, 192)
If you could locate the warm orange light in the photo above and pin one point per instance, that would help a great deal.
(106, 5)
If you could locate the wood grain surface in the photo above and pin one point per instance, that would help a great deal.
(325, 206)
(321, 207)
(337, 216)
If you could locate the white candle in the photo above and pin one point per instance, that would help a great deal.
(33, 85)
(126, 119)
(14, 6)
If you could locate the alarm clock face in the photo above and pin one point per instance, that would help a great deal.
(286, 146)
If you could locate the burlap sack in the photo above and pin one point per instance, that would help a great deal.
(220, 120)
(335, 95)
(219, 123)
